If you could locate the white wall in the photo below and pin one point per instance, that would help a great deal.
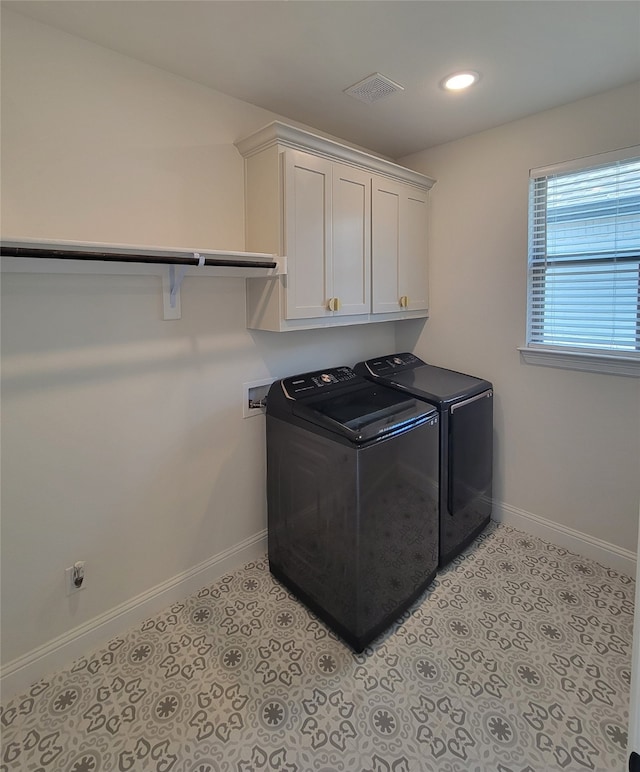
(567, 443)
(123, 442)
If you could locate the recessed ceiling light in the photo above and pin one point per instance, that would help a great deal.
(460, 80)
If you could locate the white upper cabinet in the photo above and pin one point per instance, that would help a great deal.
(352, 226)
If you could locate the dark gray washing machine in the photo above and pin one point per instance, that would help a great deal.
(352, 493)
(465, 404)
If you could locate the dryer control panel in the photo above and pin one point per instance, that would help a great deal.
(392, 363)
(309, 384)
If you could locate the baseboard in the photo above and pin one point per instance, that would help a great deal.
(605, 553)
(18, 675)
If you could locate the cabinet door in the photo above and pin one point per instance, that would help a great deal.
(307, 234)
(412, 271)
(351, 248)
(399, 247)
(385, 246)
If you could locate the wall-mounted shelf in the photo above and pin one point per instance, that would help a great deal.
(171, 264)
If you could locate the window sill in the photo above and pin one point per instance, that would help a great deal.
(581, 360)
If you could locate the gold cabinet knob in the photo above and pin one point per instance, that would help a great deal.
(333, 304)
(404, 301)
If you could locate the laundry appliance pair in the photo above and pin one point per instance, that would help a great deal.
(377, 475)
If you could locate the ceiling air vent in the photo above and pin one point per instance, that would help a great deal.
(374, 87)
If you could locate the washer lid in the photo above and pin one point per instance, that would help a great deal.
(364, 413)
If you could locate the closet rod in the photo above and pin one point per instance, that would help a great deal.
(66, 254)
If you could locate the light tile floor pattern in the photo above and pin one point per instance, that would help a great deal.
(517, 659)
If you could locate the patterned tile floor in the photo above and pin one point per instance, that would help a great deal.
(517, 659)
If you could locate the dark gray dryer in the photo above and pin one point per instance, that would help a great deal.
(352, 494)
(465, 404)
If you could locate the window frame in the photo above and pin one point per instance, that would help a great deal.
(566, 356)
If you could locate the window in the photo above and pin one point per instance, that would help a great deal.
(584, 264)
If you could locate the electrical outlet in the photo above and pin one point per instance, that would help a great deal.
(253, 397)
(75, 577)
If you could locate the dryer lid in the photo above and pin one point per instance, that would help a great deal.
(436, 384)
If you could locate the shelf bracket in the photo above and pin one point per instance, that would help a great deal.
(171, 284)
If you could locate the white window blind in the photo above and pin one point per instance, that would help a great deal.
(584, 256)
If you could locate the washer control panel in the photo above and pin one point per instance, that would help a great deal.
(312, 383)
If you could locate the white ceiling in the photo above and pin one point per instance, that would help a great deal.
(295, 57)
